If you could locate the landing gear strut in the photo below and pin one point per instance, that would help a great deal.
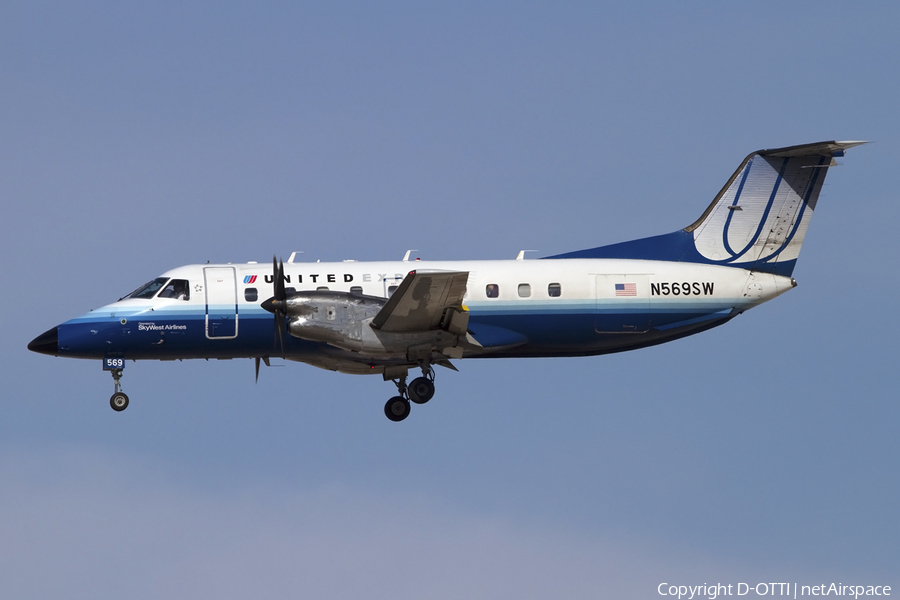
(420, 391)
(118, 401)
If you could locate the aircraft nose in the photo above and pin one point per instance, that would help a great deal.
(46, 343)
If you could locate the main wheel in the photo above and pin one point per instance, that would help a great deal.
(118, 401)
(421, 390)
(396, 409)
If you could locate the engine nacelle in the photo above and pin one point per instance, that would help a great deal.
(332, 317)
(344, 321)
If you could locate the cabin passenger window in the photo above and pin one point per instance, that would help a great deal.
(392, 289)
(289, 290)
(356, 289)
(524, 290)
(492, 290)
(179, 289)
(322, 288)
(251, 295)
(554, 290)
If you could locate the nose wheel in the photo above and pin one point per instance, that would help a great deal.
(119, 400)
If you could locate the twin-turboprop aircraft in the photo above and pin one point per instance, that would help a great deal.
(390, 318)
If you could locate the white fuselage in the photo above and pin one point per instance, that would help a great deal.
(548, 307)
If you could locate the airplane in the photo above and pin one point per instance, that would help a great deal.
(388, 318)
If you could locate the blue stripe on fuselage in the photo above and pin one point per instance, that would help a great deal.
(548, 327)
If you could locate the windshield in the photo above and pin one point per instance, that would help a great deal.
(148, 290)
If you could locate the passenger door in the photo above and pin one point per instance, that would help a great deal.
(221, 303)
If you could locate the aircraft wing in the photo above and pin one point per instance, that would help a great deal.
(421, 300)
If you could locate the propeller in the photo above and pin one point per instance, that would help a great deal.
(276, 304)
(265, 359)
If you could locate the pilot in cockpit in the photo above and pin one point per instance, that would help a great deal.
(177, 289)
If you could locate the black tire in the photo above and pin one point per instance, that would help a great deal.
(118, 401)
(421, 390)
(396, 409)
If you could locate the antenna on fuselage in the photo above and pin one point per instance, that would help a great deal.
(293, 255)
(521, 255)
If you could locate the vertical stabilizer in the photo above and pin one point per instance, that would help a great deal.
(757, 221)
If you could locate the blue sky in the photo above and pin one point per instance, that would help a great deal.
(137, 138)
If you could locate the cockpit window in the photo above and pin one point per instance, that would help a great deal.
(148, 290)
(179, 289)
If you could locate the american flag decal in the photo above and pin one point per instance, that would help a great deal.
(626, 289)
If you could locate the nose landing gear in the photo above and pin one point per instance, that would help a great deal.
(118, 401)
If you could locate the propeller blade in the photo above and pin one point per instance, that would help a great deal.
(276, 304)
(264, 359)
(277, 309)
(279, 329)
(278, 274)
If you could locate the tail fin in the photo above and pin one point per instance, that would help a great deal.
(757, 221)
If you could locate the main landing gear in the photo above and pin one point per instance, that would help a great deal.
(118, 401)
(420, 391)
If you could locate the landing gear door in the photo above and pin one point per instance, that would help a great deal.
(221, 303)
(623, 304)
